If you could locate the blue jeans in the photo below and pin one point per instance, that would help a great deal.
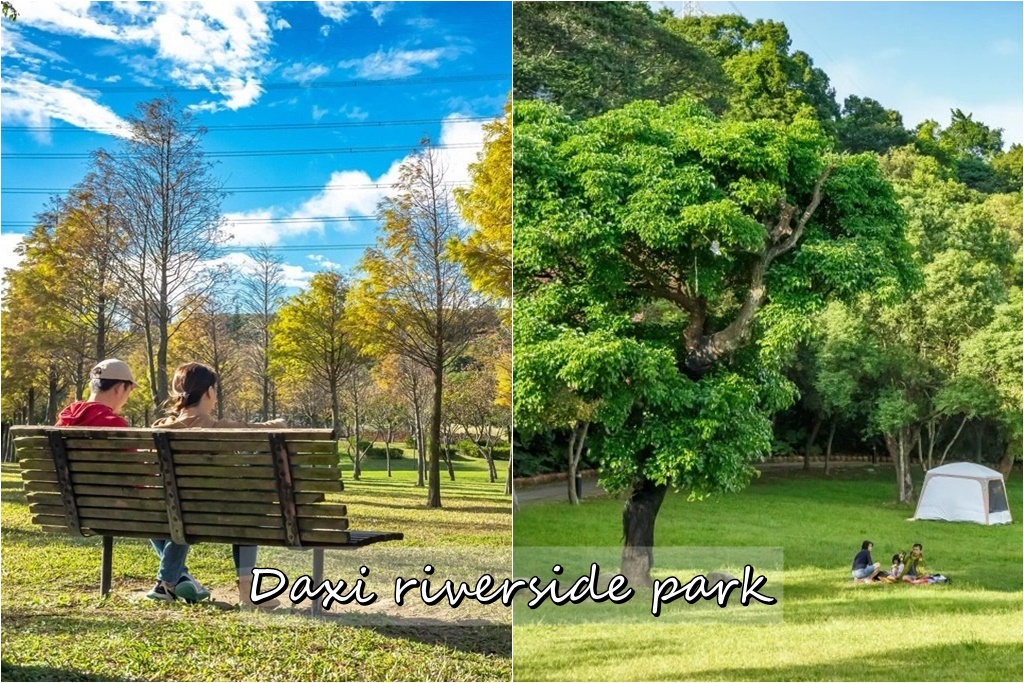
(172, 560)
(863, 572)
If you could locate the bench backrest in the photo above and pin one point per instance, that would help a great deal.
(190, 486)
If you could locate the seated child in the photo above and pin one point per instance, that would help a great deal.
(898, 564)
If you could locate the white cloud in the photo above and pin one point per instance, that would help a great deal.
(381, 9)
(281, 24)
(292, 276)
(221, 47)
(318, 113)
(354, 113)
(353, 193)
(336, 11)
(397, 63)
(324, 263)
(14, 45)
(303, 72)
(325, 30)
(29, 101)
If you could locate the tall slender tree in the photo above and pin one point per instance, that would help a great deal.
(412, 297)
(169, 204)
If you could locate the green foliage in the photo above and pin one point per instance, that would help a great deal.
(866, 126)
(590, 57)
(767, 80)
(631, 225)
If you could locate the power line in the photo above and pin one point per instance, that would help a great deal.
(299, 247)
(243, 189)
(247, 153)
(293, 85)
(266, 126)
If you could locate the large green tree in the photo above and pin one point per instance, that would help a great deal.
(867, 126)
(667, 262)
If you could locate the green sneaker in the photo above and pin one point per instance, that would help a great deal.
(190, 590)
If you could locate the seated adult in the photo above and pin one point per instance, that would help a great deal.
(864, 568)
(914, 572)
(192, 406)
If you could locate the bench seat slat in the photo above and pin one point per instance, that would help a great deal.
(190, 443)
(125, 456)
(122, 503)
(151, 469)
(38, 464)
(96, 444)
(322, 524)
(230, 459)
(236, 472)
(115, 480)
(243, 496)
(150, 492)
(93, 514)
(39, 476)
(228, 486)
(248, 534)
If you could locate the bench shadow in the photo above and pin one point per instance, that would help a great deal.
(17, 672)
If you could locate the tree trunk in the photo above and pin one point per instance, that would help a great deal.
(31, 417)
(52, 395)
(492, 471)
(448, 459)
(952, 441)
(899, 452)
(979, 441)
(387, 447)
(810, 442)
(577, 438)
(508, 477)
(434, 480)
(828, 447)
(638, 520)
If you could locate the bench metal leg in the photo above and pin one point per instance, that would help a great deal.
(106, 565)
(318, 578)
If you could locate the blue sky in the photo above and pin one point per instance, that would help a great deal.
(328, 78)
(920, 58)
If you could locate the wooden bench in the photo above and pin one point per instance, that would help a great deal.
(251, 487)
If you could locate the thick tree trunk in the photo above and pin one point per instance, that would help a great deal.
(434, 479)
(638, 520)
(810, 442)
(492, 471)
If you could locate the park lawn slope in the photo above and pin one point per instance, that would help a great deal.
(832, 629)
(56, 627)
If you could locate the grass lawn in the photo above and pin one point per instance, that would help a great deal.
(832, 629)
(56, 627)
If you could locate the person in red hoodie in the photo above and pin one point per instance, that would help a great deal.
(110, 385)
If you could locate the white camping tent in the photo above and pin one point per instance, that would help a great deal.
(964, 492)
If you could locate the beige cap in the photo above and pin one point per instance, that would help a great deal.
(112, 368)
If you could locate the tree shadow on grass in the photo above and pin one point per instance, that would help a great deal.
(17, 672)
(484, 639)
(955, 661)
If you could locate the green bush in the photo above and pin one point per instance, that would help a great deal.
(410, 441)
(379, 452)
